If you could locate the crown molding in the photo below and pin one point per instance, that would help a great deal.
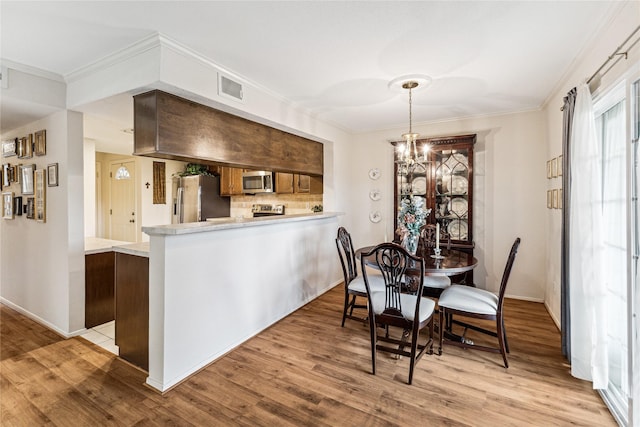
(28, 69)
(141, 46)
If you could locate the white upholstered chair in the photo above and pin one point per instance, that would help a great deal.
(465, 301)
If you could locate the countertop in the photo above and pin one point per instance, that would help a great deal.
(138, 249)
(96, 245)
(215, 224)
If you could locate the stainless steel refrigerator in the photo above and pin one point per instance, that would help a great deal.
(197, 197)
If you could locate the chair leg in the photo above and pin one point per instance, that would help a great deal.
(414, 347)
(501, 340)
(440, 330)
(504, 332)
(346, 307)
(373, 332)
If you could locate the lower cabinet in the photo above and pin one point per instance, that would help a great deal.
(99, 292)
(132, 308)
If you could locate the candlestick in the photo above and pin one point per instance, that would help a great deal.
(438, 235)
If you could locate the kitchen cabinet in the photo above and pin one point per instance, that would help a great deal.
(99, 288)
(446, 183)
(230, 181)
(132, 308)
(289, 183)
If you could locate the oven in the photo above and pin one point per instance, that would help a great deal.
(260, 210)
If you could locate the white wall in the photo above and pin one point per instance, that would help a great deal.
(509, 194)
(43, 263)
(603, 45)
(211, 291)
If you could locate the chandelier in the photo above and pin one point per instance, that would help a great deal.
(410, 158)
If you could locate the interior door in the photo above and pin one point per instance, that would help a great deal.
(122, 212)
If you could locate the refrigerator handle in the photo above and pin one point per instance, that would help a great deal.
(199, 203)
(179, 205)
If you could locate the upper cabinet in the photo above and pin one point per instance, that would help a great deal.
(230, 181)
(289, 183)
(446, 183)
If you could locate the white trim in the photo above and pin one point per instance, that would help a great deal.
(41, 321)
(28, 69)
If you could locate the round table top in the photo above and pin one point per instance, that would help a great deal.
(453, 263)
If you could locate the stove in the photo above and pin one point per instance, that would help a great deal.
(267, 210)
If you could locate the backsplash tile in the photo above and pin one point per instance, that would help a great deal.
(294, 203)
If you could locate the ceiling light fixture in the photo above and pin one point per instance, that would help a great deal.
(410, 158)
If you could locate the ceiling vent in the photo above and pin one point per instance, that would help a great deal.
(229, 88)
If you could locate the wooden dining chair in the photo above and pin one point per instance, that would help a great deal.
(466, 301)
(354, 286)
(398, 305)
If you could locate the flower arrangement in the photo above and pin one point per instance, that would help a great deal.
(411, 218)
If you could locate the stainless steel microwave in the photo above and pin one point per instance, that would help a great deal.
(258, 182)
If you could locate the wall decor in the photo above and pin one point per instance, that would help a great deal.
(17, 205)
(554, 167)
(41, 195)
(560, 165)
(52, 175)
(548, 169)
(159, 183)
(374, 195)
(9, 147)
(31, 210)
(549, 200)
(25, 147)
(15, 174)
(555, 198)
(40, 143)
(5, 175)
(27, 179)
(7, 205)
(374, 173)
(560, 198)
(375, 217)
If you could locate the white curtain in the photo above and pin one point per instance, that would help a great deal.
(588, 287)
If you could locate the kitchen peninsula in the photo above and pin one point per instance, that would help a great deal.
(215, 284)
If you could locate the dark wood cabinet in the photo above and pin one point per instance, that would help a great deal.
(132, 308)
(99, 289)
(446, 183)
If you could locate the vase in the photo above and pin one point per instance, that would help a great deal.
(410, 243)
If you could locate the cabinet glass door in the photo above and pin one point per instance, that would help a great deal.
(452, 188)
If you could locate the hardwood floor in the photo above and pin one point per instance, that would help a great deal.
(305, 370)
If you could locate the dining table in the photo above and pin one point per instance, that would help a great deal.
(451, 263)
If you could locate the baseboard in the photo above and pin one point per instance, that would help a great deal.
(553, 317)
(40, 320)
(524, 298)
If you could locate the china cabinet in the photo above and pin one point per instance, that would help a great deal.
(446, 183)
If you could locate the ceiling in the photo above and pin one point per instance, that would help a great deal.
(334, 59)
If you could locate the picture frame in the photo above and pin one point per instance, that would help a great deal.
(52, 175)
(555, 198)
(17, 205)
(40, 143)
(560, 198)
(7, 205)
(25, 147)
(6, 174)
(40, 188)
(560, 165)
(548, 169)
(16, 174)
(9, 147)
(554, 167)
(26, 179)
(549, 200)
(31, 208)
